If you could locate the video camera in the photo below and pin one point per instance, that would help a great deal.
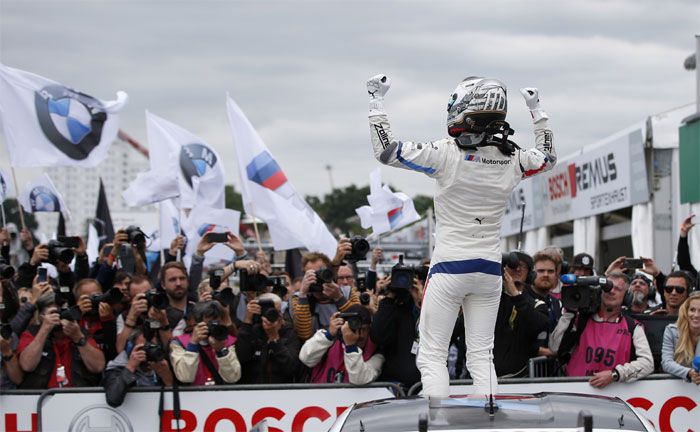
(323, 275)
(402, 275)
(360, 249)
(268, 310)
(58, 251)
(582, 294)
(112, 297)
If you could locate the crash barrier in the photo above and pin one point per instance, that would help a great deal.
(287, 407)
(666, 401)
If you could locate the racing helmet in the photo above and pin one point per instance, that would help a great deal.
(474, 104)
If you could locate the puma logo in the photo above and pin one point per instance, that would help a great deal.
(478, 220)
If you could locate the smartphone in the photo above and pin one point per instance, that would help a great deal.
(632, 263)
(42, 274)
(70, 241)
(217, 237)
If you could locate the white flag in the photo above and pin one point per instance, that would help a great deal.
(48, 124)
(40, 195)
(151, 187)
(170, 226)
(270, 196)
(203, 220)
(6, 188)
(387, 210)
(198, 166)
(93, 244)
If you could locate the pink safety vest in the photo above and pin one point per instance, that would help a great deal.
(333, 363)
(601, 347)
(203, 373)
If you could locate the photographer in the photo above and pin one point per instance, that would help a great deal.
(142, 364)
(267, 347)
(345, 352)
(97, 317)
(640, 293)
(518, 323)
(55, 352)
(174, 280)
(603, 343)
(546, 267)
(142, 313)
(395, 330)
(60, 256)
(207, 355)
(317, 300)
(10, 372)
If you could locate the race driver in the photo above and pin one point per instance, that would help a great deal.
(475, 170)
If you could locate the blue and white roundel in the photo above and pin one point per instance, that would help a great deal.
(71, 118)
(194, 161)
(42, 199)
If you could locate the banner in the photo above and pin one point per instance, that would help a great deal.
(670, 404)
(151, 187)
(48, 124)
(270, 196)
(387, 210)
(40, 195)
(198, 166)
(608, 177)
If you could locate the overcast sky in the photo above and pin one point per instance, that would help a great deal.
(298, 68)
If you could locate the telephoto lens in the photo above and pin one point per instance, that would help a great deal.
(360, 249)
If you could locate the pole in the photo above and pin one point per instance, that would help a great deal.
(255, 226)
(330, 176)
(160, 234)
(2, 205)
(522, 220)
(21, 210)
(697, 73)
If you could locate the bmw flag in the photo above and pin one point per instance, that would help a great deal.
(48, 124)
(41, 195)
(203, 220)
(387, 210)
(269, 195)
(198, 166)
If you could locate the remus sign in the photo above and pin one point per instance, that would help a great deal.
(606, 178)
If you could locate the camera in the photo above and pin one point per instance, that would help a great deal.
(353, 318)
(5, 331)
(112, 297)
(323, 275)
(217, 331)
(402, 276)
(59, 252)
(360, 248)
(509, 260)
(268, 310)
(70, 313)
(157, 299)
(154, 352)
(6, 270)
(582, 294)
(252, 282)
(224, 296)
(137, 238)
(215, 276)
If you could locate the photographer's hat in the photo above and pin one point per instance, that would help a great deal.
(583, 260)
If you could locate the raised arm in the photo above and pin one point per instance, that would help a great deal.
(543, 157)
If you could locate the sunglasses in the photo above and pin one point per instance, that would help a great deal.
(669, 289)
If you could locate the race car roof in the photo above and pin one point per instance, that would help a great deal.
(515, 411)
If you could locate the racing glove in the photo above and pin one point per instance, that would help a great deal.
(377, 86)
(532, 100)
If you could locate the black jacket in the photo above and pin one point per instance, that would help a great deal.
(394, 329)
(263, 362)
(118, 380)
(518, 324)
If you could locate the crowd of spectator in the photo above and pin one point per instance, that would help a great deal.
(123, 321)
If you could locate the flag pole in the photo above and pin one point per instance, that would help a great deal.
(21, 210)
(2, 205)
(160, 234)
(255, 226)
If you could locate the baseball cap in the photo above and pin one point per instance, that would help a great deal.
(583, 260)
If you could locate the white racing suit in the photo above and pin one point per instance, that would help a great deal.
(472, 189)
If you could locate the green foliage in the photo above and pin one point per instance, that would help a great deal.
(232, 199)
